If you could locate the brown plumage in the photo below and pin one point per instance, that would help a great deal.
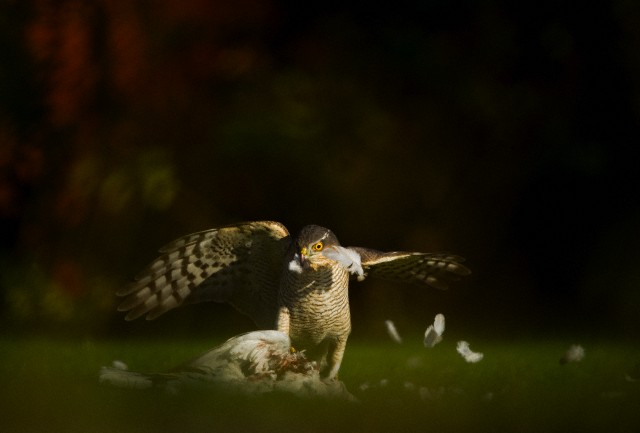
(296, 285)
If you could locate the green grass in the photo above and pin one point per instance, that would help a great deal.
(51, 385)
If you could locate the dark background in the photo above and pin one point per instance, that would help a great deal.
(504, 132)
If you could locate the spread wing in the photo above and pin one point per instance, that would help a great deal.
(435, 270)
(239, 264)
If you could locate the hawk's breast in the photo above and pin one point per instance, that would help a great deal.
(318, 303)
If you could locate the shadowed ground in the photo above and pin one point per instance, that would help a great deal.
(518, 386)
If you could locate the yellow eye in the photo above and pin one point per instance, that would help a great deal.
(318, 246)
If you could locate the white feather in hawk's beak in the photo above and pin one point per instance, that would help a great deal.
(347, 258)
(295, 265)
(299, 261)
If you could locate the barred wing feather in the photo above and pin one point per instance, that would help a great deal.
(434, 269)
(239, 264)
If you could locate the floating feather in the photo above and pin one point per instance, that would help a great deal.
(468, 355)
(433, 334)
(393, 332)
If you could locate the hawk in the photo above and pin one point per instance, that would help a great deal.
(296, 285)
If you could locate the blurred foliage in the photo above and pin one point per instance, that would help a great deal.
(501, 132)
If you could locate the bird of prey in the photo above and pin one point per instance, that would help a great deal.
(296, 285)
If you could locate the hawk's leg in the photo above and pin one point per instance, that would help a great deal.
(334, 356)
(283, 320)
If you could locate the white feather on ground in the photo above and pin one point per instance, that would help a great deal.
(392, 331)
(468, 355)
(258, 362)
(575, 353)
(119, 365)
(433, 334)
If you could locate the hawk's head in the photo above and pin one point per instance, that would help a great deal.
(309, 246)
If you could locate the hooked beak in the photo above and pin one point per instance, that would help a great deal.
(303, 256)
